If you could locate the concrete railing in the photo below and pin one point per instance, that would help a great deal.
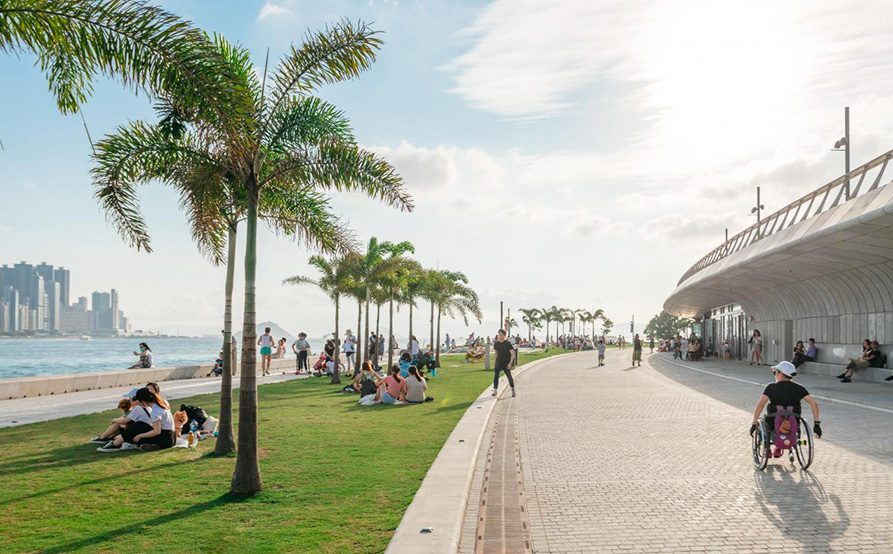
(820, 200)
(27, 387)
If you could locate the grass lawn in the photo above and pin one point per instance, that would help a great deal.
(337, 476)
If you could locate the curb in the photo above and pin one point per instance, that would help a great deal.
(439, 504)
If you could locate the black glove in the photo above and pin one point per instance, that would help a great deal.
(753, 429)
(817, 430)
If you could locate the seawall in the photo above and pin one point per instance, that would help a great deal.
(27, 387)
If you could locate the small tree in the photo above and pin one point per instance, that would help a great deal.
(665, 325)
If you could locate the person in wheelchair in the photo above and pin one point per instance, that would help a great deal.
(784, 392)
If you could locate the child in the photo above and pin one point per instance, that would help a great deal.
(601, 352)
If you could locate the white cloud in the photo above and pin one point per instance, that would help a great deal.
(270, 9)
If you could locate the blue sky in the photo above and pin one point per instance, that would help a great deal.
(576, 153)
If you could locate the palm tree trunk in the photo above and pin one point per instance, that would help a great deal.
(437, 347)
(376, 355)
(432, 324)
(246, 477)
(359, 347)
(226, 443)
(336, 379)
(365, 336)
(390, 332)
(410, 325)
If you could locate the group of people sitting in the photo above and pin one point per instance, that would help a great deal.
(871, 357)
(687, 349)
(404, 384)
(147, 424)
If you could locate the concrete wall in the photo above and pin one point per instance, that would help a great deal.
(26, 387)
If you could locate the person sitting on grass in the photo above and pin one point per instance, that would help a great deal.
(391, 389)
(415, 387)
(155, 432)
(126, 405)
(869, 358)
(405, 362)
(474, 354)
(366, 382)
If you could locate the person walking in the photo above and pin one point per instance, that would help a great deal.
(637, 350)
(266, 351)
(506, 357)
(350, 347)
(301, 348)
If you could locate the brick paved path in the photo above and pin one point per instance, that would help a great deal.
(657, 459)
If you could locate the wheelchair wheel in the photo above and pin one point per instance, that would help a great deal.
(760, 444)
(805, 444)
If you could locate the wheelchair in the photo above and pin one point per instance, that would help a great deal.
(798, 441)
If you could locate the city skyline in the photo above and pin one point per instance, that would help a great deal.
(35, 299)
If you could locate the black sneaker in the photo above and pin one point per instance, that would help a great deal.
(841, 376)
(846, 380)
(890, 378)
(109, 447)
(97, 440)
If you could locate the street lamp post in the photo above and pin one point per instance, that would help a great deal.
(759, 207)
(844, 144)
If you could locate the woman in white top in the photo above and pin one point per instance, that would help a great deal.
(151, 426)
(416, 387)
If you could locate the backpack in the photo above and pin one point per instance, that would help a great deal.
(368, 387)
(196, 413)
(785, 428)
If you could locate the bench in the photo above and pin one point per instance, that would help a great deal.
(832, 358)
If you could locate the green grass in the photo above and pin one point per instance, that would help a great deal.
(337, 477)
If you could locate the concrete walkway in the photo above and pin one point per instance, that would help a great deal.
(657, 459)
(20, 411)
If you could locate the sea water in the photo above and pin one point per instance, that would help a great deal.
(49, 356)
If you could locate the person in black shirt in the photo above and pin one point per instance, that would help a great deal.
(869, 358)
(505, 360)
(785, 392)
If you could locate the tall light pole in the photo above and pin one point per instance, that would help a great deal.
(844, 144)
(759, 207)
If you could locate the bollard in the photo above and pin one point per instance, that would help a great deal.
(487, 357)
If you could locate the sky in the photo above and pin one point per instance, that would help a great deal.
(575, 153)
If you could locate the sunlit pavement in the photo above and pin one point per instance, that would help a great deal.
(20, 411)
(657, 459)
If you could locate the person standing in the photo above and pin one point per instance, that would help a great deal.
(266, 351)
(601, 351)
(414, 348)
(651, 345)
(372, 344)
(302, 349)
(350, 347)
(446, 343)
(505, 360)
(756, 346)
(637, 350)
(683, 349)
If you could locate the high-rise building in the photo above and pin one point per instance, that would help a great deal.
(113, 307)
(80, 305)
(63, 277)
(10, 299)
(37, 300)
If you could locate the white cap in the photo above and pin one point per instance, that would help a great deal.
(787, 368)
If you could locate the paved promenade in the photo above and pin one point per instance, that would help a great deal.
(657, 459)
(20, 411)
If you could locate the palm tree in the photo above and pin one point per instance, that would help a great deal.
(454, 297)
(550, 315)
(509, 323)
(414, 285)
(529, 316)
(596, 315)
(380, 257)
(149, 49)
(333, 282)
(394, 283)
(287, 142)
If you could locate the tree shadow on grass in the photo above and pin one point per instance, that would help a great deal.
(65, 457)
(107, 478)
(142, 526)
